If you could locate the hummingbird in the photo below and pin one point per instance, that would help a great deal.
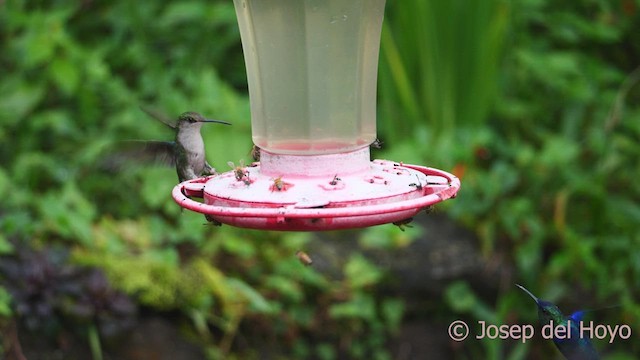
(574, 347)
(186, 152)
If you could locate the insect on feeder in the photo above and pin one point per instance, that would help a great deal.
(312, 73)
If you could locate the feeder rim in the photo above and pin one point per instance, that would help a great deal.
(182, 192)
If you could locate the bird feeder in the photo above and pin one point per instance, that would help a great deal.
(312, 73)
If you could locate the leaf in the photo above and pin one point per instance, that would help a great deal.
(68, 213)
(5, 303)
(362, 306)
(392, 312)
(325, 351)
(460, 297)
(5, 183)
(18, 99)
(558, 151)
(257, 302)
(360, 272)
(156, 186)
(5, 246)
(285, 286)
(183, 12)
(65, 74)
(238, 246)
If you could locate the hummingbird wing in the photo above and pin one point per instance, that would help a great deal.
(158, 115)
(131, 152)
(577, 316)
(578, 346)
(153, 152)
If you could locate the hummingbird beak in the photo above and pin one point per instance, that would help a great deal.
(215, 121)
(528, 292)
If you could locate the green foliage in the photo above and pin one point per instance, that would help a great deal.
(439, 67)
(548, 168)
(533, 103)
(549, 183)
(5, 302)
(241, 278)
(74, 75)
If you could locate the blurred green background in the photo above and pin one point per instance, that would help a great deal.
(534, 104)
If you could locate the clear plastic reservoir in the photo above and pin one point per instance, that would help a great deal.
(312, 71)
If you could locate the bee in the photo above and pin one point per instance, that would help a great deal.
(335, 180)
(304, 258)
(246, 180)
(213, 221)
(418, 185)
(239, 172)
(376, 144)
(403, 223)
(279, 185)
(255, 153)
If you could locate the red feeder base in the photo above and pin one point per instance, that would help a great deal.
(316, 193)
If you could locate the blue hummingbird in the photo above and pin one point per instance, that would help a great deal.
(574, 347)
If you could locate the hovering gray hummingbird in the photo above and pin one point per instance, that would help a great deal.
(186, 152)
